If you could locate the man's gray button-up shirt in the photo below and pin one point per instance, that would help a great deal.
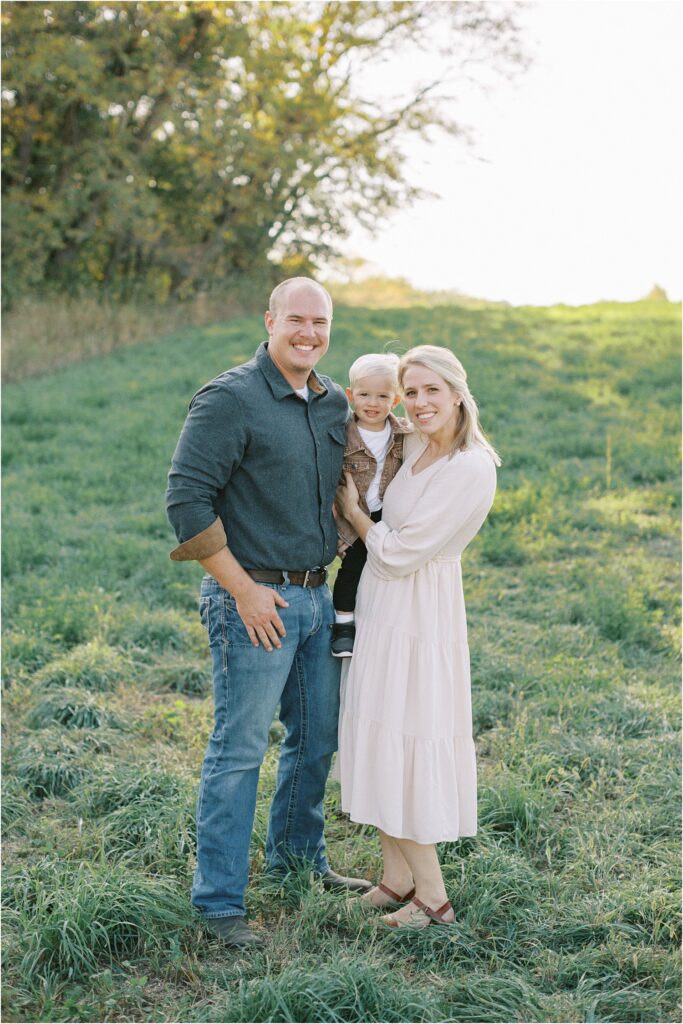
(258, 465)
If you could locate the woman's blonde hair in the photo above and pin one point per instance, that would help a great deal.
(450, 369)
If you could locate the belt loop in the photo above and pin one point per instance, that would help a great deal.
(285, 578)
(305, 582)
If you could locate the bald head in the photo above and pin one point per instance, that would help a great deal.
(291, 284)
(298, 324)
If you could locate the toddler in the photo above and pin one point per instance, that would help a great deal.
(373, 455)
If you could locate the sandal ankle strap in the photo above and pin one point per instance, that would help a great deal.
(436, 915)
(394, 895)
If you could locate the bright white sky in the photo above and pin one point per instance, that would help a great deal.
(572, 190)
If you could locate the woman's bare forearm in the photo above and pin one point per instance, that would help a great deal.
(360, 522)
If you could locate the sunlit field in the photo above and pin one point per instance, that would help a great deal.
(567, 900)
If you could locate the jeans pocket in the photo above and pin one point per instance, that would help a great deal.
(204, 612)
(235, 630)
(212, 618)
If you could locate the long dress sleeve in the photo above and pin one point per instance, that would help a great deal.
(452, 507)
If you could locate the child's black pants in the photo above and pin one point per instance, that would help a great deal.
(348, 577)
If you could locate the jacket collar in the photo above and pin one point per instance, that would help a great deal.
(277, 383)
(355, 441)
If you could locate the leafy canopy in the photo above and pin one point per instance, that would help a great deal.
(162, 146)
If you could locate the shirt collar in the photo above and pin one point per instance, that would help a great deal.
(277, 383)
(400, 425)
(354, 440)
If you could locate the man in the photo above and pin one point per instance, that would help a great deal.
(250, 497)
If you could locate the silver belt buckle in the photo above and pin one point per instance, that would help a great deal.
(306, 575)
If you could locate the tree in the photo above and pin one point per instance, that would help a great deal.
(165, 146)
(657, 294)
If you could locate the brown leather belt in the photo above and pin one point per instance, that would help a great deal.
(308, 578)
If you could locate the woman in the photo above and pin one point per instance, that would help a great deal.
(407, 760)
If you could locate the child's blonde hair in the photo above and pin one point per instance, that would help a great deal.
(375, 363)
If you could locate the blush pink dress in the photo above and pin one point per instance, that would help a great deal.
(406, 758)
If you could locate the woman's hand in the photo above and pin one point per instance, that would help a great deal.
(347, 501)
(347, 497)
(342, 547)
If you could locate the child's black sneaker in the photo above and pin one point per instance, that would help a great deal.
(343, 635)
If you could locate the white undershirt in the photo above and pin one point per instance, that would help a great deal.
(303, 392)
(378, 442)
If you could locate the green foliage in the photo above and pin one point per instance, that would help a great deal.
(501, 546)
(508, 808)
(159, 837)
(63, 617)
(349, 990)
(618, 609)
(155, 631)
(15, 804)
(71, 920)
(22, 651)
(113, 786)
(566, 899)
(50, 765)
(94, 665)
(183, 675)
(156, 149)
(381, 292)
(74, 709)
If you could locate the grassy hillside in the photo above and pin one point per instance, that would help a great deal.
(567, 899)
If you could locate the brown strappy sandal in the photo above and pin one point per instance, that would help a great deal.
(435, 916)
(394, 899)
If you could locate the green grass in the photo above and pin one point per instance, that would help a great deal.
(71, 917)
(566, 900)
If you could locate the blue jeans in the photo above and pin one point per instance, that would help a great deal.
(249, 683)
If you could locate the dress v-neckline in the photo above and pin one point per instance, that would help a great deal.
(411, 465)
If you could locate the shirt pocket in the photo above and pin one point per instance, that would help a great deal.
(338, 434)
(358, 463)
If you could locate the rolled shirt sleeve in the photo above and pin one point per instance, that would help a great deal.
(456, 500)
(211, 444)
(203, 545)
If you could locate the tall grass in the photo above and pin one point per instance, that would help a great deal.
(47, 332)
(94, 665)
(73, 919)
(566, 900)
(51, 764)
(74, 709)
